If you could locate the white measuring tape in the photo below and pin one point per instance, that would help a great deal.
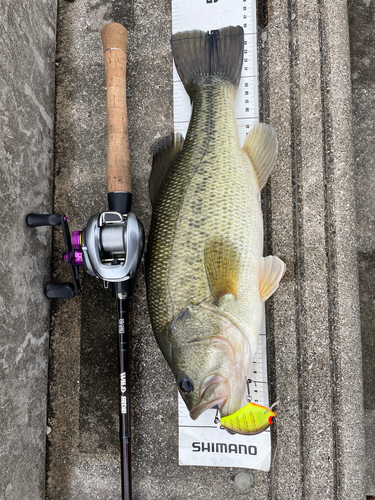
(201, 442)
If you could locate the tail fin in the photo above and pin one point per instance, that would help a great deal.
(198, 54)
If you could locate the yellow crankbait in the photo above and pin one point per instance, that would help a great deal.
(250, 420)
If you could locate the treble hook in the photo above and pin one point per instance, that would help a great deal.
(248, 397)
(217, 419)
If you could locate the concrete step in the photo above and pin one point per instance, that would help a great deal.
(362, 51)
(309, 205)
(27, 83)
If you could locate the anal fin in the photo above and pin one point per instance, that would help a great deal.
(164, 153)
(271, 271)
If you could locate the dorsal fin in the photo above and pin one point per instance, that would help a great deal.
(271, 271)
(164, 153)
(222, 263)
(261, 148)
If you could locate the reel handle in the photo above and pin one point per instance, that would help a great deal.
(115, 39)
(37, 220)
(59, 291)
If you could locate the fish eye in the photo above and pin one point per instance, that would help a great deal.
(186, 386)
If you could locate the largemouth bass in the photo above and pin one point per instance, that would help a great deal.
(206, 277)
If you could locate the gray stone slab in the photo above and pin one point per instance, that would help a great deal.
(370, 453)
(366, 264)
(362, 42)
(313, 320)
(362, 32)
(27, 71)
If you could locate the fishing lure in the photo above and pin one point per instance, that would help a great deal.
(250, 420)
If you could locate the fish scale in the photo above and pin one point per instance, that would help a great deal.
(212, 164)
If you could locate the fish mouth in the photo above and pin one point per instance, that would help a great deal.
(214, 390)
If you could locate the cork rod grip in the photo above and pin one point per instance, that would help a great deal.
(115, 39)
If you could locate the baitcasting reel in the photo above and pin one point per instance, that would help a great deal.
(110, 248)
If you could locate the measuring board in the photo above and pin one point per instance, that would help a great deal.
(201, 441)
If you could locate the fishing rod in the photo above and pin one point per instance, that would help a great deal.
(110, 247)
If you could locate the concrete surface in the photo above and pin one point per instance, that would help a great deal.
(314, 321)
(83, 457)
(314, 338)
(362, 39)
(27, 67)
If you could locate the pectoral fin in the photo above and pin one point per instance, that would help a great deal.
(261, 147)
(271, 271)
(222, 264)
(164, 154)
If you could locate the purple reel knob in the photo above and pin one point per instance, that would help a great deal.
(76, 240)
(77, 257)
